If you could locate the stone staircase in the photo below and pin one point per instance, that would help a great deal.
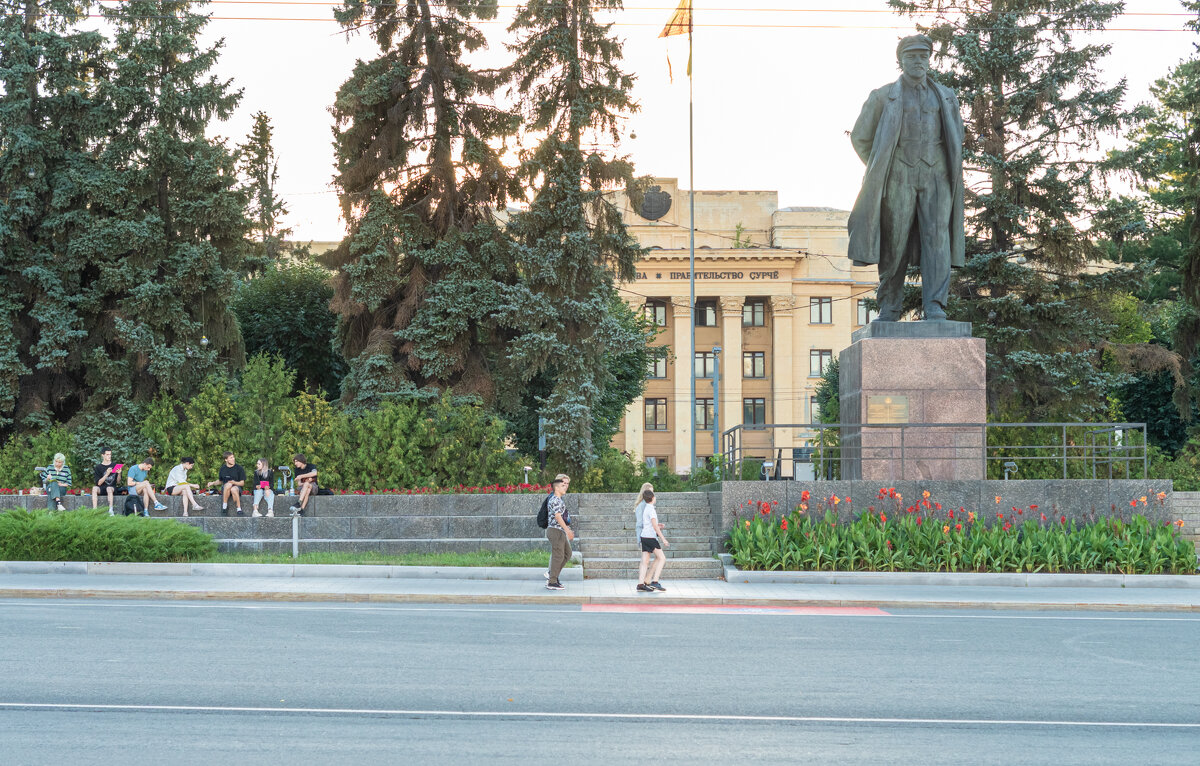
(607, 539)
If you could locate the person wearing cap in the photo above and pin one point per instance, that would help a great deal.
(909, 211)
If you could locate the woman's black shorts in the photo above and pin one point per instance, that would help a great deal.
(650, 544)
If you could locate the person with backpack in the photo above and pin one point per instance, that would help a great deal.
(558, 530)
(137, 479)
(651, 532)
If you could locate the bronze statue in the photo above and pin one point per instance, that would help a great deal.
(910, 208)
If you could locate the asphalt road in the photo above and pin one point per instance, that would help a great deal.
(165, 683)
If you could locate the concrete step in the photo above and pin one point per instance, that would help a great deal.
(677, 569)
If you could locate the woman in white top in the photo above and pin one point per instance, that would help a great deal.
(637, 510)
(651, 531)
(177, 484)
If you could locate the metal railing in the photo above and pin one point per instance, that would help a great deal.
(826, 451)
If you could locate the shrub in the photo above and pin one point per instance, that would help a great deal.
(88, 535)
(21, 454)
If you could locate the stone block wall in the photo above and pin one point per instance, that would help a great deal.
(1187, 508)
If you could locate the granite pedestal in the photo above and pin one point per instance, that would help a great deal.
(898, 379)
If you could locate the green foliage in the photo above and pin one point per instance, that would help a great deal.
(572, 243)
(285, 312)
(1036, 113)
(88, 535)
(311, 427)
(418, 141)
(266, 387)
(614, 472)
(21, 454)
(259, 169)
(886, 543)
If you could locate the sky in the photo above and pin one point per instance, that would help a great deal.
(777, 84)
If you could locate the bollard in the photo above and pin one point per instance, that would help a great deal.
(295, 536)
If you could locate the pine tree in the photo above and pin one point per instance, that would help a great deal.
(49, 120)
(168, 243)
(259, 169)
(419, 172)
(1035, 110)
(572, 240)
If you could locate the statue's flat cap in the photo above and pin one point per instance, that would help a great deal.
(914, 41)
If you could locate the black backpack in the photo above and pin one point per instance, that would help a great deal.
(134, 506)
(543, 514)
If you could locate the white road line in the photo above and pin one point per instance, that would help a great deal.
(573, 609)
(595, 716)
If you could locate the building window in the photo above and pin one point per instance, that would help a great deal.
(754, 412)
(754, 364)
(656, 414)
(657, 368)
(704, 415)
(818, 360)
(754, 312)
(814, 410)
(706, 364)
(655, 462)
(866, 315)
(820, 310)
(706, 313)
(656, 312)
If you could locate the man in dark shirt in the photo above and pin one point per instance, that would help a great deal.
(231, 477)
(104, 479)
(306, 477)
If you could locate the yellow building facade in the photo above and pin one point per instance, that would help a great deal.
(776, 300)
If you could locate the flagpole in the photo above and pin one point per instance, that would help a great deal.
(691, 251)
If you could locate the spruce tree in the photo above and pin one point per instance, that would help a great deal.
(1035, 110)
(572, 242)
(419, 141)
(259, 169)
(168, 243)
(49, 121)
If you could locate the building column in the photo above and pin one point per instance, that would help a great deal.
(685, 367)
(635, 421)
(783, 389)
(731, 362)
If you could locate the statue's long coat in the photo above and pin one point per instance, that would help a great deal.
(874, 137)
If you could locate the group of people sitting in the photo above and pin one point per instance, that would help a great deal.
(142, 496)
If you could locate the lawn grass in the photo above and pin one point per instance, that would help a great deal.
(474, 559)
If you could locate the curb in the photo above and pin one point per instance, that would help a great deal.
(361, 571)
(566, 600)
(962, 579)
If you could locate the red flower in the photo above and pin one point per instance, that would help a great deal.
(889, 544)
(1133, 503)
(883, 517)
(804, 496)
(919, 520)
(783, 525)
(1007, 527)
(1033, 506)
(938, 506)
(958, 527)
(1043, 517)
(764, 508)
(1063, 519)
(951, 512)
(1000, 515)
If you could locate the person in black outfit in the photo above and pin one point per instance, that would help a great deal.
(231, 477)
(104, 479)
(306, 477)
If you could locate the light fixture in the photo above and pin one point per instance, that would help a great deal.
(204, 341)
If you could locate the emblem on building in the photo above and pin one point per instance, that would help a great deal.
(655, 204)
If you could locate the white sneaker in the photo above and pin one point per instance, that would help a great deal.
(160, 507)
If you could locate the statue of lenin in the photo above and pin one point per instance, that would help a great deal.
(910, 208)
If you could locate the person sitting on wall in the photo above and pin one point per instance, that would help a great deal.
(306, 477)
(177, 484)
(58, 481)
(263, 476)
(231, 477)
(137, 481)
(105, 475)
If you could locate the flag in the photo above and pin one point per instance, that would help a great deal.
(681, 20)
(680, 23)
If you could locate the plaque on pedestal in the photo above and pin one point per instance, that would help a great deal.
(898, 381)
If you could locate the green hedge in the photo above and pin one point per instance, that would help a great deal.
(88, 535)
(913, 543)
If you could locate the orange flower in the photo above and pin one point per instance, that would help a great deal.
(946, 529)
(1143, 499)
(971, 516)
(1161, 495)
(803, 507)
(836, 499)
(1179, 523)
(747, 523)
(997, 499)
(804, 496)
(925, 494)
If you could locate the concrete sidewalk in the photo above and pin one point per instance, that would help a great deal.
(533, 591)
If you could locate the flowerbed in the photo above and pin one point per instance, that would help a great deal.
(923, 537)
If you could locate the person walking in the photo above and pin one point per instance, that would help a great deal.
(177, 484)
(104, 475)
(263, 477)
(650, 534)
(558, 530)
(638, 509)
(58, 481)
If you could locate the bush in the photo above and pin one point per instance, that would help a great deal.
(21, 454)
(88, 535)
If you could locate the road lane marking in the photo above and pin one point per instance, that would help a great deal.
(821, 611)
(508, 714)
